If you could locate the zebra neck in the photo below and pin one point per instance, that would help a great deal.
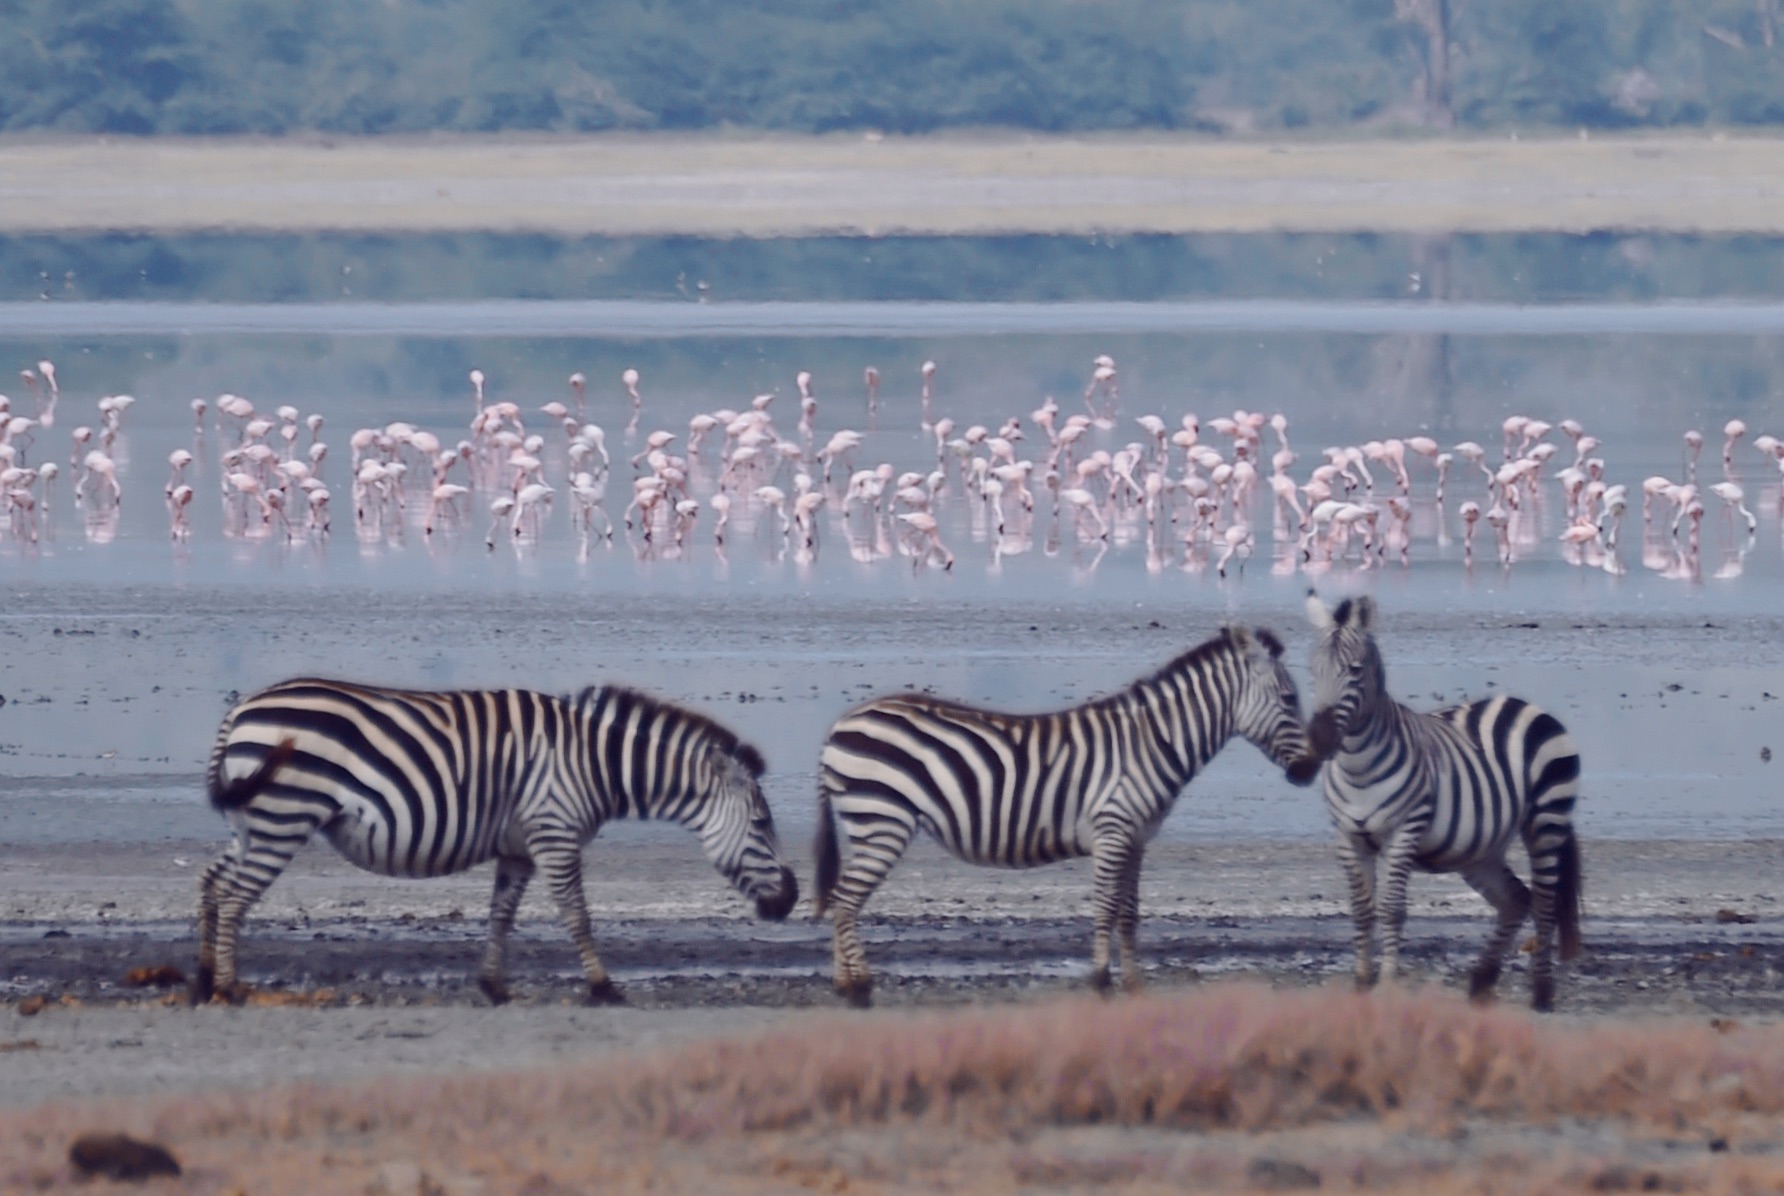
(1183, 732)
(1388, 722)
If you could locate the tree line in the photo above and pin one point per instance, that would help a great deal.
(282, 67)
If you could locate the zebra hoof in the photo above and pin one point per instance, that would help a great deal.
(494, 989)
(203, 985)
(605, 993)
(1481, 983)
(1542, 994)
(860, 996)
(1099, 981)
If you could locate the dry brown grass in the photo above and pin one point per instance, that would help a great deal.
(790, 186)
(989, 1099)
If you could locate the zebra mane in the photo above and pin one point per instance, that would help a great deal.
(1228, 640)
(720, 736)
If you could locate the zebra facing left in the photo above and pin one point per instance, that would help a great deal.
(1448, 791)
(418, 783)
(1019, 790)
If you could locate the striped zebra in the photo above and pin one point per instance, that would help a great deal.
(1018, 790)
(416, 783)
(1443, 792)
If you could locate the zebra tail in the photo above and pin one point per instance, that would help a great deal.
(1568, 897)
(237, 794)
(829, 858)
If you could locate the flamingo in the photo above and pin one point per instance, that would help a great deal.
(1732, 431)
(1470, 513)
(1733, 497)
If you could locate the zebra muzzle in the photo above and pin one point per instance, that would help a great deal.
(1302, 771)
(777, 907)
(1323, 734)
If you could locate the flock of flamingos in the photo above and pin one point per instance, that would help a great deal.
(1194, 491)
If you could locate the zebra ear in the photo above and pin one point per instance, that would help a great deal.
(1268, 639)
(1238, 635)
(1317, 614)
(1365, 614)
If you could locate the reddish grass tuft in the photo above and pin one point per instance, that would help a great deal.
(1233, 1057)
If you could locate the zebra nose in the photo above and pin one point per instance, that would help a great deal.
(777, 907)
(1303, 770)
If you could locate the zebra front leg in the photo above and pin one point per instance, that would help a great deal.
(558, 854)
(1400, 852)
(1359, 870)
(1115, 904)
(512, 875)
(1511, 899)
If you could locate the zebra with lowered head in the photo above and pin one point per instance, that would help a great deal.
(1447, 791)
(418, 783)
(1018, 790)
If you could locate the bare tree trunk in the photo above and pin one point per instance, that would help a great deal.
(1414, 370)
(1432, 18)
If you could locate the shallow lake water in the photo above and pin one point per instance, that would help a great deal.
(1680, 761)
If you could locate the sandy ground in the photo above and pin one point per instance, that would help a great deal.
(771, 186)
(393, 959)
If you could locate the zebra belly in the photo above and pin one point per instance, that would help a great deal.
(364, 838)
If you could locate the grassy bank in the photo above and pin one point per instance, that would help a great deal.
(1230, 1087)
(780, 186)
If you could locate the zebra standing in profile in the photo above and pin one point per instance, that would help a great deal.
(1444, 792)
(1018, 790)
(416, 783)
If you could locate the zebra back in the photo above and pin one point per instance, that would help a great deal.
(1019, 789)
(434, 779)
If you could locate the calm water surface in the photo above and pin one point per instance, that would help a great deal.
(1636, 376)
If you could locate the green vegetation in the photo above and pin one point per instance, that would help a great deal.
(907, 66)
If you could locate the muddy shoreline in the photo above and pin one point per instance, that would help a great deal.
(359, 975)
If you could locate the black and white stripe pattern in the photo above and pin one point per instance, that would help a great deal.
(417, 783)
(1448, 791)
(1019, 790)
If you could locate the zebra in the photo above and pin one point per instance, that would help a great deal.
(418, 783)
(1019, 790)
(1443, 792)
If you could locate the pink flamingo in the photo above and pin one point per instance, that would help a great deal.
(1732, 431)
(925, 526)
(1470, 513)
(629, 379)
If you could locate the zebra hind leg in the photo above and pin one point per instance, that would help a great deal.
(231, 886)
(873, 850)
(558, 854)
(512, 875)
(204, 981)
(1511, 899)
(1555, 886)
